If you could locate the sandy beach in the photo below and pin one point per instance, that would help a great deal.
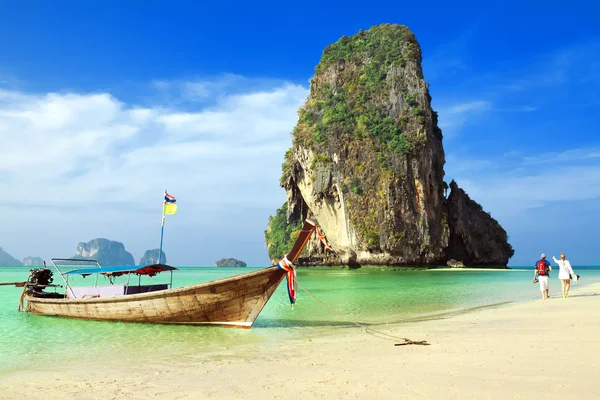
(535, 350)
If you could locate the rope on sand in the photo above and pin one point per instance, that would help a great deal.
(370, 331)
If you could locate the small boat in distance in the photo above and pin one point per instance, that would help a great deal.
(230, 302)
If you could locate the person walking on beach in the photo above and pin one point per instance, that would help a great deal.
(565, 273)
(541, 273)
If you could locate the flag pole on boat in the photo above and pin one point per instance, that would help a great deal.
(169, 208)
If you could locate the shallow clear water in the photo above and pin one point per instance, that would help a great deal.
(367, 295)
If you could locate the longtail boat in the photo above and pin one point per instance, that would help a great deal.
(230, 302)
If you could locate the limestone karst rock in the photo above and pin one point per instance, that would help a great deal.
(6, 260)
(106, 252)
(33, 261)
(367, 163)
(230, 262)
(151, 257)
(475, 237)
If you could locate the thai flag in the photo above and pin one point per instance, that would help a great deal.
(169, 198)
(169, 205)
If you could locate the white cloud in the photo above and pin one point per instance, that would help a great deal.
(576, 63)
(512, 184)
(452, 117)
(518, 193)
(197, 90)
(464, 108)
(94, 151)
(571, 155)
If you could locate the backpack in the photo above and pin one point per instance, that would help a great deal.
(541, 267)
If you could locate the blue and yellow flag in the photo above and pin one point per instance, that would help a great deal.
(170, 205)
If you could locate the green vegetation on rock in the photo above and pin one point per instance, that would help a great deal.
(376, 43)
(366, 66)
(281, 234)
(286, 167)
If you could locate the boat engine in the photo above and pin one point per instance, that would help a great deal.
(40, 277)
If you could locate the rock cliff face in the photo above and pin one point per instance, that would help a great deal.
(151, 257)
(33, 262)
(6, 260)
(367, 161)
(106, 252)
(475, 237)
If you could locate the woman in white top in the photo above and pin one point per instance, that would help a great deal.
(564, 273)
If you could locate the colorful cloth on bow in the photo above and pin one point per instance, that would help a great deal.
(170, 204)
(323, 240)
(292, 283)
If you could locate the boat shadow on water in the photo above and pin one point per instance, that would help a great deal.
(447, 314)
(269, 323)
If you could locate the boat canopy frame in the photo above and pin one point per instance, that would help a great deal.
(110, 272)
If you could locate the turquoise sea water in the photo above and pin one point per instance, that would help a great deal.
(368, 295)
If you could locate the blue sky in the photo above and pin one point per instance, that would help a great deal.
(103, 105)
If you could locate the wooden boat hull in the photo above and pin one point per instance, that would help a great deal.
(230, 302)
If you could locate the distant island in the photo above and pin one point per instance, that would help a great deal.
(6, 260)
(230, 262)
(106, 252)
(33, 262)
(151, 257)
